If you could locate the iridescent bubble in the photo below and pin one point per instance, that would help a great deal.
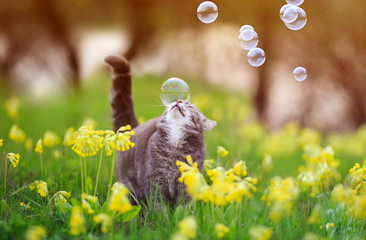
(248, 39)
(283, 9)
(295, 2)
(300, 74)
(256, 57)
(290, 15)
(207, 12)
(299, 22)
(246, 27)
(174, 89)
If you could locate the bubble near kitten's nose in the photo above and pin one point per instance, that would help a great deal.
(173, 90)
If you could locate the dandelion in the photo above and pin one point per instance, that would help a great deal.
(119, 201)
(77, 221)
(260, 233)
(222, 152)
(12, 106)
(105, 219)
(221, 230)
(13, 158)
(16, 134)
(35, 233)
(50, 139)
(41, 187)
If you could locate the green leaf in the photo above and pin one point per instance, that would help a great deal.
(127, 216)
(4, 209)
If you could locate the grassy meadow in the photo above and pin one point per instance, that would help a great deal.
(291, 183)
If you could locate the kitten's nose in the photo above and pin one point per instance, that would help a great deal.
(179, 101)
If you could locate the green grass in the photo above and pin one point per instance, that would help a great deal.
(233, 113)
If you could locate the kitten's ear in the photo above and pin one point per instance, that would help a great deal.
(208, 124)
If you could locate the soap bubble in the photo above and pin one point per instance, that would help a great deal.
(207, 12)
(283, 9)
(300, 74)
(248, 39)
(246, 27)
(256, 57)
(174, 89)
(295, 2)
(290, 15)
(299, 22)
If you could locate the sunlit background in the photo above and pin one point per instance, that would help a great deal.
(48, 45)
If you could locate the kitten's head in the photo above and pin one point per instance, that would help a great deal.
(184, 115)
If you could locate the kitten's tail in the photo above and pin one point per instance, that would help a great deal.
(121, 94)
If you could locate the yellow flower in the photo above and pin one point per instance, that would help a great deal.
(267, 164)
(221, 230)
(86, 142)
(105, 219)
(41, 187)
(56, 154)
(60, 197)
(16, 134)
(240, 169)
(188, 227)
(28, 144)
(89, 122)
(12, 106)
(69, 137)
(50, 139)
(222, 152)
(39, 148)
(13, 158)
(329, 226)
(1, 142)
(260, 233)
(77, 221)
(119, 201)
(141, 120)
(315, 215)
(24, 206)
(35, 233)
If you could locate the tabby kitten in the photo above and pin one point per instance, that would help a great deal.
(160, 142)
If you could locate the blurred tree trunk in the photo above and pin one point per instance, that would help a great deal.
(263, 87)
(57, 28)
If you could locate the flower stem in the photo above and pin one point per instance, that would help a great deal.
(41, 159)
(6, 170)
(100, 163)
(81, 175)
(112, 175)
(86, 177)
